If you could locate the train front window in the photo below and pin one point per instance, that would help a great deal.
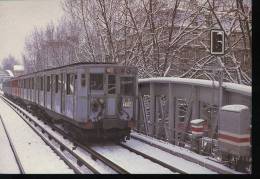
(111, 84)
(83, 80)
(96, 81)
(127, 86)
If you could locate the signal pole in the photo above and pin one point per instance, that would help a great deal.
(217, 48)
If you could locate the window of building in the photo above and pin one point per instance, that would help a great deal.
(111, 84)
(96, 81)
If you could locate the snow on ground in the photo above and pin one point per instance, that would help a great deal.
(130, 161)
(180, 163)
(35, 155)
(98, 165)
(183, 151)
(7, 158)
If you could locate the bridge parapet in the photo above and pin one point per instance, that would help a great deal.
(185, 99)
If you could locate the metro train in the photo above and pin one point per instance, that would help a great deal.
(91, 100)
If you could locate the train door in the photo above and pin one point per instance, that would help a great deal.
(111, 95)
(81, 98)
(56, 103)
(70, 90)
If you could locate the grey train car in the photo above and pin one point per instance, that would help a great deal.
(92, 100)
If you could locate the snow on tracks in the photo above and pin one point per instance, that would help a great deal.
(35, 155)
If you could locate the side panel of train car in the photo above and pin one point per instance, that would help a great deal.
(101, 98)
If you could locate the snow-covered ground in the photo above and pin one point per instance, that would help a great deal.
(7, 159)
(37, 157)
(34, 154)
(177, 162)
(180, 151)
(130, 161)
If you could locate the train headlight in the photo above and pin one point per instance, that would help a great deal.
(101, 101)
(127, 102)
(110, 70)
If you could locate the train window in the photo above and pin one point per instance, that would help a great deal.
(56, 83)
(83, 80)
(72, 84)
(27, 84)
(32, 83)
(41, 83)
(69, 84)
(48, 83)
(127, 86)
(111, 84)
(96, 81)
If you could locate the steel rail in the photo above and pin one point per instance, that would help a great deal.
(106, 161)
(18, 161)
(172, 168)
(60, 154)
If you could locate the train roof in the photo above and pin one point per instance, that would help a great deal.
(74, 64)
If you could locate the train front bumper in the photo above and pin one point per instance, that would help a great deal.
(114, 124)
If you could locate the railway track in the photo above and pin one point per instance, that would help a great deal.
(172, 168)
(17, 159)
(80, 161)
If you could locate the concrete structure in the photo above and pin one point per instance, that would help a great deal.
(184, 100)
(234, 130)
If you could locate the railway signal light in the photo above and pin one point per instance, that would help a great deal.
(217, 45)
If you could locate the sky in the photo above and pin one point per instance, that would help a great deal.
(18, 18)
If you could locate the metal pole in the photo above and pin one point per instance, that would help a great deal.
(220, 90)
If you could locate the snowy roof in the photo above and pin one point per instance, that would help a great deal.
(10, 73)
(234, 107)
(18, 68)
(238, 88)
(189, 81)
(197, 121)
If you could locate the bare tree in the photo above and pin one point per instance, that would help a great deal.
(9, 62)
(161, 38)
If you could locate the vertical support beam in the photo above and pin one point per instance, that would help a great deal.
(139, 114)
(171, 110)
(157, 115)
(138, 108)
(152, 109)
(195, 104)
